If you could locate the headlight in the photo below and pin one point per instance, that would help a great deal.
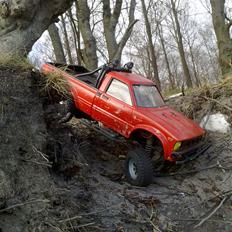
(177, 146)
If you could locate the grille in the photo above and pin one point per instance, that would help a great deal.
(191, 142)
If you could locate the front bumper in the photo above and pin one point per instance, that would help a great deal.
(190, 153)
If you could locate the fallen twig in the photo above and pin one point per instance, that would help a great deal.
(86, 214)
(198, 170)
(84, 225)
(23, 203)
(210, 220)
(212, 213)
(40, 153)
(39, 163)
(54, 227)
(70, 219)
(219, 103)
(155, 228)
(223, 194)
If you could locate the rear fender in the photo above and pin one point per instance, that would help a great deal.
(157, 133)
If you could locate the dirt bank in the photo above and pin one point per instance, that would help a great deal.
(24, 176)
(65, 177)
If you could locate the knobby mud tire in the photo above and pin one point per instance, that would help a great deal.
(143, 166)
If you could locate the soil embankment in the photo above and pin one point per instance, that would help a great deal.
(25, 184)
(65, 177)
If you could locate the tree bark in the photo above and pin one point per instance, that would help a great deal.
(56, 43)
(222, 31)
(181, 46)
(151, 45)
(90, 50)
(23, 22)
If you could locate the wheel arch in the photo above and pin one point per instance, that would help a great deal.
(155, 133)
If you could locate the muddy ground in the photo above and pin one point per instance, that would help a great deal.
(65, 177)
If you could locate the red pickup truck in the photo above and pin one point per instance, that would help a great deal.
(119, 103)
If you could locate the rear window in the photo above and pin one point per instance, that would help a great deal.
(148, 96)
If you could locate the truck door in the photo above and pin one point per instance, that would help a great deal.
(113, 107)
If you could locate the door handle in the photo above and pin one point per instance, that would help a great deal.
(98, 94)
(105, 97)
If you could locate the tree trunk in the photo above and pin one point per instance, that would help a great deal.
(209, 53)
(147, 63)
(198, 83)
(23, 22)
(66, 40)
(151, 45)
(90, 50)
(56, 43)
(110, 21)
(181, 47)
(75, 36)
(170, 76)
(222, 31)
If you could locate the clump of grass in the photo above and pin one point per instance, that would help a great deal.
(196, 101)
(9, 61)
(56, 86)
(204, 90)
(223, 88)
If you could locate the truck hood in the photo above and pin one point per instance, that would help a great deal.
(173, 123)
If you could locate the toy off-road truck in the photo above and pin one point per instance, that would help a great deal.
(123, 105)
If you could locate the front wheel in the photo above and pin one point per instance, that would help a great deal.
(138, 168)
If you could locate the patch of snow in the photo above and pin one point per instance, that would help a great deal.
(216, 123)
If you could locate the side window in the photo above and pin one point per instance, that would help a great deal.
(120, 91)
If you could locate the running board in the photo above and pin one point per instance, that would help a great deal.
(106, 132)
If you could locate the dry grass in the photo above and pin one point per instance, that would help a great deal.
(55, 86)
(197, 101)
(223, 88)
(14, 61)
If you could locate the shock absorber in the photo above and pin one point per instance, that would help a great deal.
(149, 145)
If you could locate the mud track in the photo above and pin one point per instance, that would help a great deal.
(179, 198)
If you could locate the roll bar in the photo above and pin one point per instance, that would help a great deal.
(109, 67)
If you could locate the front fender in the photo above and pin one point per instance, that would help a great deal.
(167, 145)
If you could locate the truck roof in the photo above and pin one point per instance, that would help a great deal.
(131, 78)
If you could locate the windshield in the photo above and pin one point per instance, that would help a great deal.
(147, 96)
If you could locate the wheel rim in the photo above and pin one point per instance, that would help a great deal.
(133, 169)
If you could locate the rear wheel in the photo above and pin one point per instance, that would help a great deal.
(138, 168)
(74, 111)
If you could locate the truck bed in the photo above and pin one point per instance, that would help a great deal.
(75, 70)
